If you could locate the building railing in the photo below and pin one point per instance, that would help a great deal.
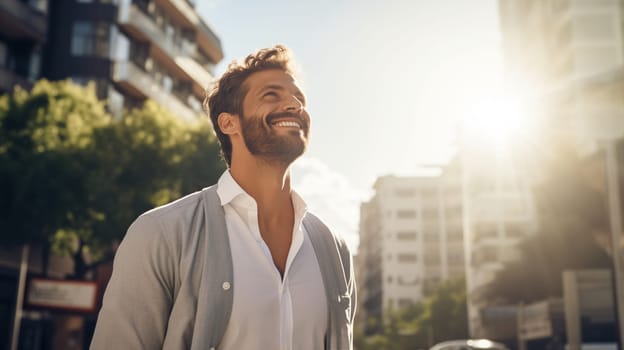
(133, 16)
(28, 18)
(8, 81)
(184, 53)
(130, 73)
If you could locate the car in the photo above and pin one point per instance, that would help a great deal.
(469, 344)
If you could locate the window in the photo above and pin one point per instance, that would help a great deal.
(101, 84)
(405, 192)
(403, 303)
(429, 193)
(406, 281)
(407, 236)
(456, 257)
(455, 234)
(483, 231)
(454, 212)
(514, 230)
(4, 54)
(34, 68)
(167, 83)
(407, 257)
(431, 213)
(90, 39)
(485, 254)
(432, 258)
(406, 214)
(431, 237)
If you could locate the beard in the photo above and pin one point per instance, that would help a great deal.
(267, 143)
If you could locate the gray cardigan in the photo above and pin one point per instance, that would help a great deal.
(172, 282)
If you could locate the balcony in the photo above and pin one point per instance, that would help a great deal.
(133, 80)
(209, 41)
(22, 21)
(8, 80)
(206, 38)
(142, 27)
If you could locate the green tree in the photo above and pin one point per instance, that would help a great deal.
(445, 315)
(75, 178)
(147, 158)
(442, 316)
(41, 134)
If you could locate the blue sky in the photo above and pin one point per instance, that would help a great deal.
(386, 81)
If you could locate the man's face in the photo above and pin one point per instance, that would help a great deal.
(275, 124)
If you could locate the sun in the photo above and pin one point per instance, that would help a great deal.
(498, 118)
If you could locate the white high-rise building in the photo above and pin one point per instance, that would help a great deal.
(498, 212)
(410, 240)
(566, 55)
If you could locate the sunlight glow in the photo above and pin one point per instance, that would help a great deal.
(499, 118)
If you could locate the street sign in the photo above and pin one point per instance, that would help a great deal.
(63, 295)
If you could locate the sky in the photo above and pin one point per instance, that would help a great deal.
(386, 82)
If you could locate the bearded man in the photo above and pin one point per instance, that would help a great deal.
(241, 264)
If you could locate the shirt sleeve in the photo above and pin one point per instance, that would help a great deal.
(138, 298)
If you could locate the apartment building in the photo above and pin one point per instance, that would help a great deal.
(566, 55)
(132, 50)
(410, 240)
(23, 33)
(569, 55)
(498, 212)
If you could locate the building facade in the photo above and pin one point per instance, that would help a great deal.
(132, 50)
(499, 211)
(569, 55)
(566, 56)
(23, 34)
(411, 240)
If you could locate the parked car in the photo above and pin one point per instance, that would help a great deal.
(469, 344)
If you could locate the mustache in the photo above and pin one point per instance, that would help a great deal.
(273, 116)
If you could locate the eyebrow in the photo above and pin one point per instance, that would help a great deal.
(298, 93)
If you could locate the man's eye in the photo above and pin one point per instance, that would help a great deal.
(270, 94)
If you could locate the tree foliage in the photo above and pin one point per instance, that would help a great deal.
(442, 316)
(42, 133)
(75, 178)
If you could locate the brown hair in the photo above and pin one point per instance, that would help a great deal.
(228, 92)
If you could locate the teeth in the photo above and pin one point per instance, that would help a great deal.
(293, 124)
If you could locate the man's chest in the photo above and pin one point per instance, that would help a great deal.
(276, 312)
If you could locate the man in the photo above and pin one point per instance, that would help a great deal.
(240, 265)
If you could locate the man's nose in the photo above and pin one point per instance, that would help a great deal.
(294, 105)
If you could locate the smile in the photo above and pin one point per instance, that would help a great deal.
(287, 124)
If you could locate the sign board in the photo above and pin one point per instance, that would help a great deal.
(62, 295)
(535, 322)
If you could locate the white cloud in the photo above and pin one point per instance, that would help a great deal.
(330, 196)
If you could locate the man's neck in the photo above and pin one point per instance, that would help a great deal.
(267, 183)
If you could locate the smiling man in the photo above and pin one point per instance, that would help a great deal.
(241, 264)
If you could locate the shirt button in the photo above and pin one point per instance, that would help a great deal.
(226, 285)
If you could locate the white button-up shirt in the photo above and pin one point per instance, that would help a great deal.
(270, 312)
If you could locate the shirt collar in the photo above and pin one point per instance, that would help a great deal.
(228, 189)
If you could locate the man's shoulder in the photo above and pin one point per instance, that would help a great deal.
(179, 209)
(320, 227)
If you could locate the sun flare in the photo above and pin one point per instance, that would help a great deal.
(499, 118)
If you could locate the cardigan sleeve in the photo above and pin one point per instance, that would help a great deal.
(139, 296)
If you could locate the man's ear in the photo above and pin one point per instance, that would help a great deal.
(228, 123)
